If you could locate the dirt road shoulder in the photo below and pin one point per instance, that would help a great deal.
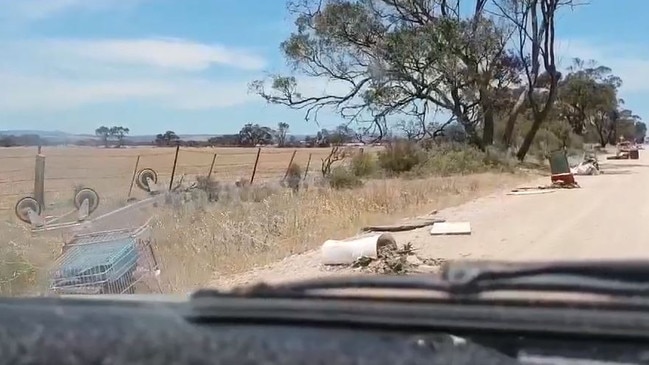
(307, 264)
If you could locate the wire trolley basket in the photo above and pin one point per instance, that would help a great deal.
(119, 261)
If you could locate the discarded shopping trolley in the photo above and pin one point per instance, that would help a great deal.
(108, 262)
(29, 210)
(86, 202)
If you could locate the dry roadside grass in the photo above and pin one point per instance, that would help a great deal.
(198, 240)
(195, 244)
(25, 258)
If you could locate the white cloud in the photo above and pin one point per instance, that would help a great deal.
(165, 53)
(55, 75)
(28, 93)
(629, 62)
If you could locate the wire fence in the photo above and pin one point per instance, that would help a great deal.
(110, 171)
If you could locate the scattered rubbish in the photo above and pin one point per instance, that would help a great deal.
(585, 169)
(531, 192)
(406, 225)
(346, 252)
(625, 150)
(107, 262)
(559, 164)
(451, 228)
(29, 210)
(564, 185)
(394, 260)
(564, 180)
(529, 188)
(588, 166)
(560, 169)
(541, 189)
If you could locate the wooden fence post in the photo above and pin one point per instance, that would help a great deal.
(254, 169)
(39, 180)
(209, 174)
(173, 169)
(306, 170)
(288, 168)
(130, 188)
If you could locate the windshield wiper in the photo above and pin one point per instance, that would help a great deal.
(620, 278)
(461, 278)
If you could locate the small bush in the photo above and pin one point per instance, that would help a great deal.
(363, 164)
(456, 158)
(211, 187)
(257, 193)
(400, 157)
(343, 178)
(294, 176)
(498, 159)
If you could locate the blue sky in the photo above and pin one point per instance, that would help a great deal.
(155, 65)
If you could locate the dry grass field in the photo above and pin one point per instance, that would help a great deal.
(109, 171)
(199, 240)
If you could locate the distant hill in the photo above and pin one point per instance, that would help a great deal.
(186, 137)
(62, 137)
(59, 137)
(42, 134)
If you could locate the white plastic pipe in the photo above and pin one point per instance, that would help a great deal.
(345, 252)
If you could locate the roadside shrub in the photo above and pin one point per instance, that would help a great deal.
(498, 159)
(211, 187)
(456, 158)
(400, 157)
(446, 160)
(294, 176)
(343, 178)
(257, 193)
(363, 164)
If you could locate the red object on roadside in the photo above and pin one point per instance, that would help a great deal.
(567, 178)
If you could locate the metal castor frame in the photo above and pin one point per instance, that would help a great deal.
(24, 206)
(144, 179)
(87, 194)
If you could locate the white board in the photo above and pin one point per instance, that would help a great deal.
(531, 192)
(451, 228)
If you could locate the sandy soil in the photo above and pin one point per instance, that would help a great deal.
(603, 219)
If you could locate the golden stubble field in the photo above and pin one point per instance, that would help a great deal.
(109, 171)
(199, 242)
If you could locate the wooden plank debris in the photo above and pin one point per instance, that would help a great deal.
(451, 228)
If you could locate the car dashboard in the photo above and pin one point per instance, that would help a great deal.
(68, 331)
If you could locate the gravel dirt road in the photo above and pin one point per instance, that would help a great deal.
(605, 218)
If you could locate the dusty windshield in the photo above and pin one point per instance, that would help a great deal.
(163, 146)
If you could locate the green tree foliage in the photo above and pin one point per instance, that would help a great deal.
(403, 59)
(282, 130)
(167, 138)
(589, 104)
(103, 132)
(119, 132)
(254, 134)
(116, 133)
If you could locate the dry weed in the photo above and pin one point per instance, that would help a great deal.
(397, 260)
(199, 240)
(227, 229)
